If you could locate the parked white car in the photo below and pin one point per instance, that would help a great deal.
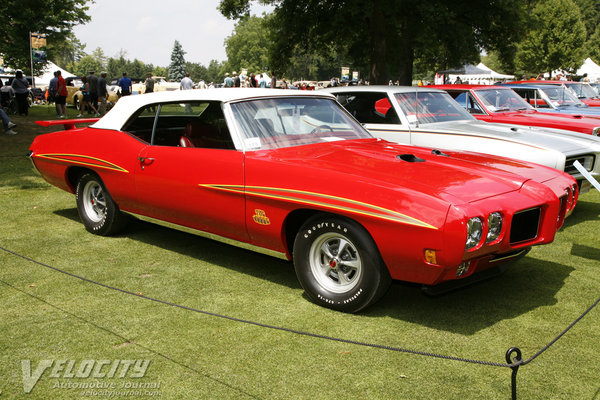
(160, 84)
(431, 118)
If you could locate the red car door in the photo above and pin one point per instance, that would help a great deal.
(187, 186)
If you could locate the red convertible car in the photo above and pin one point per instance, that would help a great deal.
(292, 174)
(502, 105)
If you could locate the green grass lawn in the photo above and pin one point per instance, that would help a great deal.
(47, 315)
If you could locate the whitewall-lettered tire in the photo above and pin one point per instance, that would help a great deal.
(97, 210)
(338, 264)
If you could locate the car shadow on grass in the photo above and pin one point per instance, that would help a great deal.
(583, 251)
(527, 284)
(584, 211)
(211, 251)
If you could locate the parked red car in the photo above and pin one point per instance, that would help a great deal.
(500, 104)
(292, 174)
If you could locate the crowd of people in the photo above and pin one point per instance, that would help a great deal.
(95, 91)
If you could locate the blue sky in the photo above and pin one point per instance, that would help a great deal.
(147, 29)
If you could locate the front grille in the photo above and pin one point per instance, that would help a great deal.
(586, 160)
(525, 225)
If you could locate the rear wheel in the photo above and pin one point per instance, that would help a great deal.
(338, 264)
(97, 210)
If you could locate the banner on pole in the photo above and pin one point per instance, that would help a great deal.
(38, 47)
(345, 73)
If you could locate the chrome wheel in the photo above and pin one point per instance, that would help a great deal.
(338, 264)
(335, 262)
(96, 208)
(94, 201)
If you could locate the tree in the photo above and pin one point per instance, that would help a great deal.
(66, 51)
(556, 39)
(86, 64)
(386, 37)
(95, 61)
(197, 71)
(215, 71)
(19, 17)
(590, 15)
(177, 66)
(593, 45)
(248, 45)
(160, 71)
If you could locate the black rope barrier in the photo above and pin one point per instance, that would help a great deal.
(512, 363)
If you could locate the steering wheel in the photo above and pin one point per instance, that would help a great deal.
(321, 128)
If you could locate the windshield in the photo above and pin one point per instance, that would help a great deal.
(582, 90)
(562, 97)
(430, 107)
(499, 100)
(286, 122)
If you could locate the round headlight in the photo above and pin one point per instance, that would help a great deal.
(494, 226)
(474, 230)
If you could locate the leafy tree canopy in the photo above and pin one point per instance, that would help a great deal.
(248, 45)
(556, 39)
(385, 37)
(53, 17)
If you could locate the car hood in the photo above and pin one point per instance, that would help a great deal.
(563, 118)
(591, 102)
(381, 163)
(567, 142)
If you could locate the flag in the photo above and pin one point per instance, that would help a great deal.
(38, 47)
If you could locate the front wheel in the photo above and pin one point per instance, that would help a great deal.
(97, 210)
(338, 264)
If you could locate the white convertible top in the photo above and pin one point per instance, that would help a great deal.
(126, 106)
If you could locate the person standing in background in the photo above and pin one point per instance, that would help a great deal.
(149, 83)
(21, 88)
(52, 91)
(102, 93)
(61, 95)
(93, 82)
(186, 82)
(125, 85)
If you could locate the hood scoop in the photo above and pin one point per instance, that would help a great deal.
(439, 153)
(409, 158)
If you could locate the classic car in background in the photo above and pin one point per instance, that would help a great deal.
(292, 174)
(582, 90)
(553, 99)
(500, 104)
(431, 118)
(74, 93)
(160, 84)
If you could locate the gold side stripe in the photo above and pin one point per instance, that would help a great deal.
(391, 215)
(63, 157)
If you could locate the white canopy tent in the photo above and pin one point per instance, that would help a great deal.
(590, 68)
(495, 75)
(478, 75)
(43, 79)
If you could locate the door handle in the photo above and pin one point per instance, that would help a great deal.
(145, 161)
